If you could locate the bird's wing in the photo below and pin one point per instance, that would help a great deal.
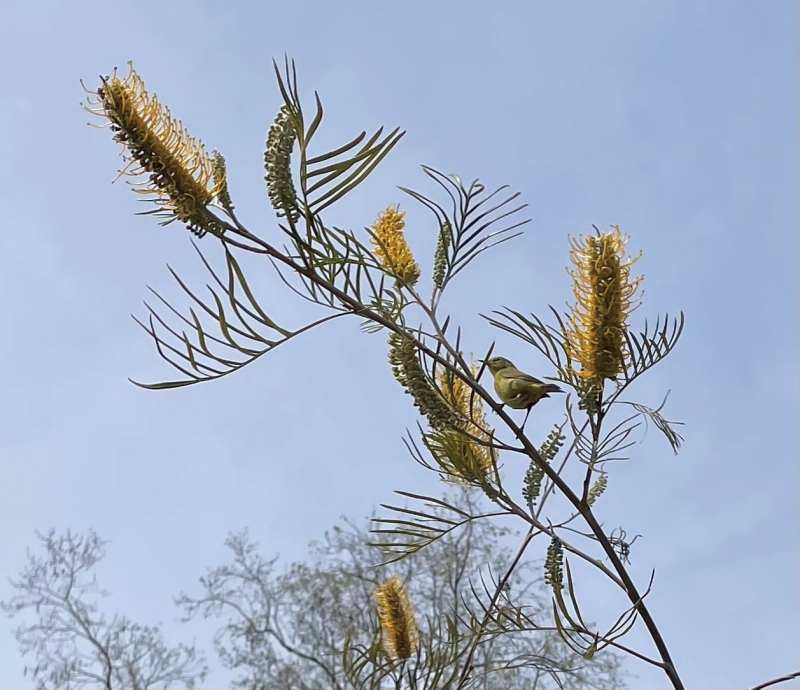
(517, 375)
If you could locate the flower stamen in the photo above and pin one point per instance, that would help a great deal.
(604, 297)
(392, 249)
(155, 144)
(396, 615)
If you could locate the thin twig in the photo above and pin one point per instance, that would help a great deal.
(775, 681)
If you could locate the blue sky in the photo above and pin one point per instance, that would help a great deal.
(676, 120)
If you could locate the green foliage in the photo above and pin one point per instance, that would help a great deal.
(652, 345)
(464, 224)
(202, 355)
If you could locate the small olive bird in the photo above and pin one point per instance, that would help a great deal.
(517, 389)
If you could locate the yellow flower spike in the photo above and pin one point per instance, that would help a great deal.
(155, 144)
(472, 460)
(396, 615)
(391, 247)
(604, 297)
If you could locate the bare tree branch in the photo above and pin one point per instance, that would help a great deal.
(74, 645)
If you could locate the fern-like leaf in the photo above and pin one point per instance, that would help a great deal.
(413, 530)
(468, 219)
(652, 345)
(661, 423)
(240, 333)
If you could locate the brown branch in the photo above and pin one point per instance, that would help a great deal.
(775, 681)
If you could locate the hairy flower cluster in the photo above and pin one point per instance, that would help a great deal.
(554, 564)
(396, 616)
(604, 294)
(597, 488)
(461, 458)
(532, 483)
(220, 173)
(392, 249)
(157, 146)
(406, 368)
(588, 391)
(440, 255)
(552, 444)
(277, 161)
